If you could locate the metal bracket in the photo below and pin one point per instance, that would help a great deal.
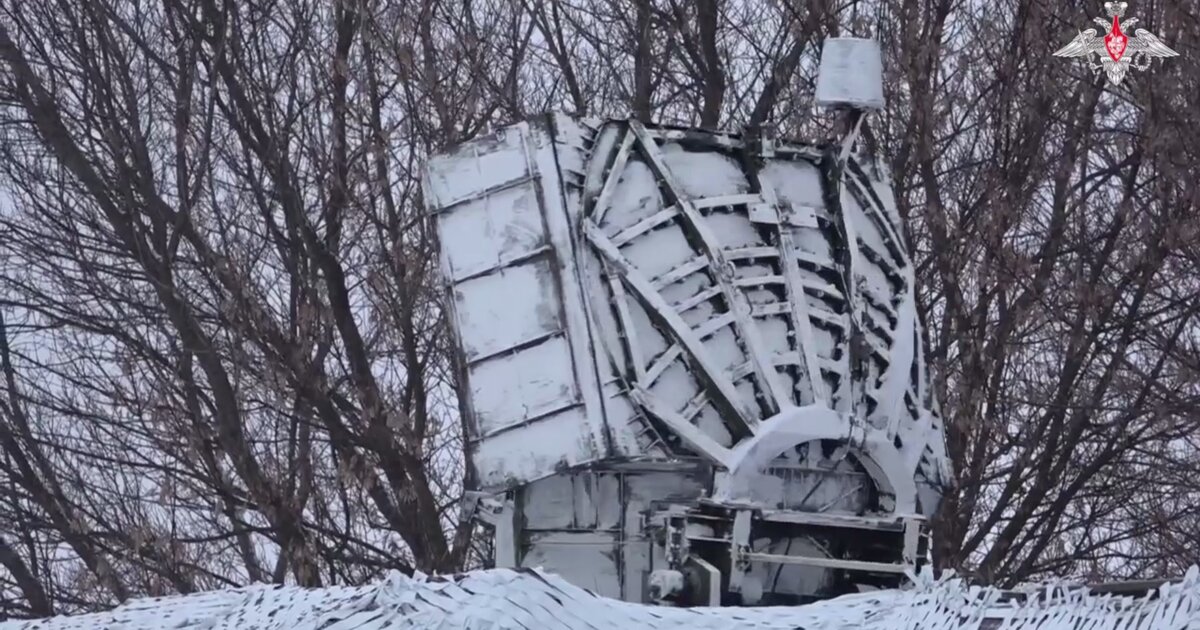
(912, 541)
(739, 549)
(704, 580)
(506, 535)
(677, 542)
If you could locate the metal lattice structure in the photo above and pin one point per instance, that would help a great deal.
(692, 360)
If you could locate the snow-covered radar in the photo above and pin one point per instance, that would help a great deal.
(691, 361)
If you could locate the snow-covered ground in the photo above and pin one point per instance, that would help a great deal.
(533, 600)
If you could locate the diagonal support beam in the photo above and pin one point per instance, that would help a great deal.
(633, 346)
(765, 374)
(660, 365)
(722, 389)
(612, 178)
(696, 439)
(801, 323)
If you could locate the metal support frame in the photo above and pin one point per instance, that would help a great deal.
(734, 526)
(701, 298)
(707, 581)
(658, 308)
(828, 563)
(772, 388)
(739, 549)
(500, 513)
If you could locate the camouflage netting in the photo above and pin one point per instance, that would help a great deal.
(534, 600)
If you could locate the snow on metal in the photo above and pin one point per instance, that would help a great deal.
(850, 74)
(534, 600)
(517, 307)
(626, 291)
(729, 319)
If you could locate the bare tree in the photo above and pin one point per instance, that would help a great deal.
(223, 355)
(220, 234)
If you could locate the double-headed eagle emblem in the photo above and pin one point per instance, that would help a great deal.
(1117, 51)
